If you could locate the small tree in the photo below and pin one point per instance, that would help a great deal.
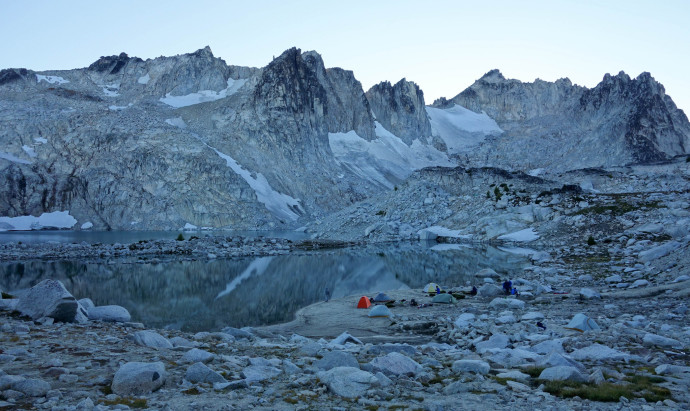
(180, 237)
(590, 240)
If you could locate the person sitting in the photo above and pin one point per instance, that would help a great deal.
(474, 291)
(507, 286)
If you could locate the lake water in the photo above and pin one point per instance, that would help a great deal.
(238, 292)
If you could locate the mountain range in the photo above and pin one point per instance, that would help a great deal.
(190, 141)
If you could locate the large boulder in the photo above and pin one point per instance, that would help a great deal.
(474, 366)
(196, 355)
(396, 364)
(50, 298)
(335, 359)
(581, 322)
(201, 373)
(109, 313)
(151, 339)
(490, 290)
(562, 373)
(137, 378)
(347, 382)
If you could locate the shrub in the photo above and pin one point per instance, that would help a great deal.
(180, 237)
(590, 241)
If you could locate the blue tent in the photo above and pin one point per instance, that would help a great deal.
(382, 298)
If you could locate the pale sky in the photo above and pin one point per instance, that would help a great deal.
(443, 46)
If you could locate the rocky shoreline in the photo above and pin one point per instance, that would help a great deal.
(483, 348)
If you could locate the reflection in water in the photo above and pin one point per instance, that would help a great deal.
(209, 295)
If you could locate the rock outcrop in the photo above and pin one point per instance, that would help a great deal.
(620, 121)
(400, 109)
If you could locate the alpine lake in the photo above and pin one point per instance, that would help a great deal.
(209, 294)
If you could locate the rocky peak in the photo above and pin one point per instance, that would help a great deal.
(400, 109)
(11, 75)
(330, 100)
(493, 76)
(204, 53)
(112, 64)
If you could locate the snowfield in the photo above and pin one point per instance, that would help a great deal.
(56, 219)
(203, 96)
(461, 128)
(386, 160)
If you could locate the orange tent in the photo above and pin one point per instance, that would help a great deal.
(364, 302)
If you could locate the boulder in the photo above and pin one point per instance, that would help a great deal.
(255, 373)
(238, 333)
(464, 321)
(588, 294)
(562, 373)
(109, 313)
(335, 359)
(487, 273)
(347, 382)
(199, 372)
(495, 341)
(658, 252)
(49, 298)
(138, 378)
(151, 339)
(490, 290)
(196, 355)
(345, 338)
(598, 352)
(32, 387)
(396, 364)
(474, 366)
(661, 341)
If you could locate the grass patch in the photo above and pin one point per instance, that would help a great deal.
(534, 372)
(502, 381)
(192, 391)
(291, 401)
(128, 401)
(636, 386)
(619, 208)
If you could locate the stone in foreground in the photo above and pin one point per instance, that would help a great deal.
(562, 373)
(347, 382)
(49, 298)
(475, 366)
(137, 378)
(109, 313)
(151, 339)
(201, 373)
(396, 364)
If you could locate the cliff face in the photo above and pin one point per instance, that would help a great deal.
(620, 121)
(400, 109)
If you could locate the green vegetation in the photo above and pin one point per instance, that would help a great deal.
(636, 386)
(128, 401)
(497, 193)
(7, 296)
(590, 241)
(533, 372)
(381, 212)
(192, 391)
(619, 208)
(180, 237)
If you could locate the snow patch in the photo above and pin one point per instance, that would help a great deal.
(523, 236)
(461, 128)
(203, 96)
(87, 225)
(385, 160)
(144, 79)
(281, 205)
(29, 151)
(111, 90)
(189, 227)
(56, 219)
(536, 172)
(256, 267)
(12, 158)
(445, 232)
(40, 140)
(51, 79)
(176, 122)
(115, 108)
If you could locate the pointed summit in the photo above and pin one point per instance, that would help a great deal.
(493, 76)
(205, 52)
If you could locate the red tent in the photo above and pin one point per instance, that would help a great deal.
(364, 302)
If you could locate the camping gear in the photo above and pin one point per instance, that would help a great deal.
(444, 299)
(432, 288)
(364, 302)
(582, 323)
(382, 298)
(380, 311)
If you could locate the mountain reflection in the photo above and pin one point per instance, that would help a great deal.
(209, 295)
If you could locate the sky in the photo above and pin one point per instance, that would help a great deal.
(443, 46)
